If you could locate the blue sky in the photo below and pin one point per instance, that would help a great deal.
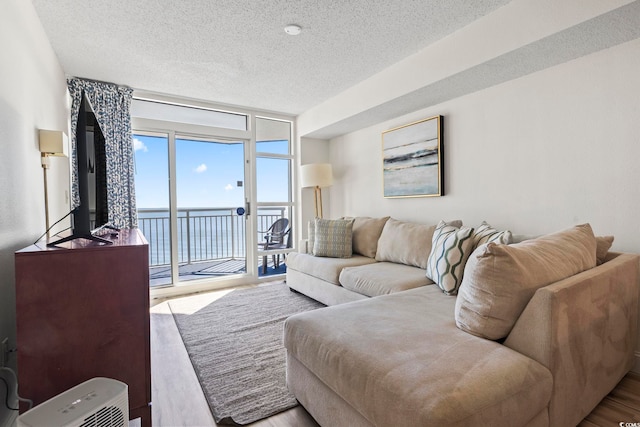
(207, 173)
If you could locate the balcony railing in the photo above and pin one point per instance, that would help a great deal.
(204, 234)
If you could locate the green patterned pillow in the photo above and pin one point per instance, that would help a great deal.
(333, 238)
(485, 234)
(450, 249)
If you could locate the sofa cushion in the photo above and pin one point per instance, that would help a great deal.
(603, 244)
(366, 232)
(486, 233)
(450, 248)
(382, 278)
(333, 238)
(406, 243)
(499, 280)
(519, 238)
(327, 269)
(400, 361)
(311, 231)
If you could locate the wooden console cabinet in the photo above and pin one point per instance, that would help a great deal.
(83, 312)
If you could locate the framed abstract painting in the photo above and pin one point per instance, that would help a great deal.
(412, 159)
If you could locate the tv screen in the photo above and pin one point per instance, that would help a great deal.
(91, 185)
(96, 174)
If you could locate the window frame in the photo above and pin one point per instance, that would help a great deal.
(153, 126)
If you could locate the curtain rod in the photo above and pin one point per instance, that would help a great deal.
(98, 81)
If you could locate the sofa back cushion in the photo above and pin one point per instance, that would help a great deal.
(366, 232)
(311, 230)
(499, 280)
(603, 244)
(406, 243)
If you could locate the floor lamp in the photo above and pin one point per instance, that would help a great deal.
(316, 175)
(52, 143)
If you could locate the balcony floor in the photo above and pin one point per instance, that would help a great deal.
(161, 275)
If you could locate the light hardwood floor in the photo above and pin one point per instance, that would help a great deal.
(622, 405)
(178, 399)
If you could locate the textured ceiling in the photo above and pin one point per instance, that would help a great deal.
(617, 26)
(236, 51)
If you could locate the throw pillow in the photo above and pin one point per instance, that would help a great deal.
(333, 238)
(499, 280)
(450, 249)
(485, 234)
(406, 243)
(366, 232)
(519, 238)
(603, 244)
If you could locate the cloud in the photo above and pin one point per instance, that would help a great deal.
(139, 145)
(228, 187)
(201, 168)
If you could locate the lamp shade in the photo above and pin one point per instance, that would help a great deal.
(316, 175)
(53, 142)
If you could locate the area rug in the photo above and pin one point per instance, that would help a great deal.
(235, 345)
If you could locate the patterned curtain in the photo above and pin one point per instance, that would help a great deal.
(110, 104)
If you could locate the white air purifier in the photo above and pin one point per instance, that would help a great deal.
(98, 402)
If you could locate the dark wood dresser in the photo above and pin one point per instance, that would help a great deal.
(83, 312)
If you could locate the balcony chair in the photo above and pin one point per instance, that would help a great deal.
(278, 236)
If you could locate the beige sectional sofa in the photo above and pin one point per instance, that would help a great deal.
(414, 356)
(388, 256)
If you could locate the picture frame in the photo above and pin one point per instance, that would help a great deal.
(413, 159)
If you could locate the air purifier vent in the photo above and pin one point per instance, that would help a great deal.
(105, 417)
(99, 402)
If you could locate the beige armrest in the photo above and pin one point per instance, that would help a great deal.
(584, 330)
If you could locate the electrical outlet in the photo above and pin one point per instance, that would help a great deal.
(4, 352)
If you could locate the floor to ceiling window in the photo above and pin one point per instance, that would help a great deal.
(152, 198)
(273, 193)
(213, 192)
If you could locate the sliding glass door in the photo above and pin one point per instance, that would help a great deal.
(210, 179)
(214, 194)
(202, 236)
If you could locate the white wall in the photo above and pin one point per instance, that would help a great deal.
(33, 96)
(313, 151)
(534, 155)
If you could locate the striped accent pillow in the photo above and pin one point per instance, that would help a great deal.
(333, 238)
(485, 234)
(450, 249)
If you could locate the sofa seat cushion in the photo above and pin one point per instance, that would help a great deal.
(382, 278)
(327, 269)
(400, 360)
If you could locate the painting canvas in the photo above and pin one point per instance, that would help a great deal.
(412, 159)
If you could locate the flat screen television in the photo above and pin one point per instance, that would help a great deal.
(91, 168)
